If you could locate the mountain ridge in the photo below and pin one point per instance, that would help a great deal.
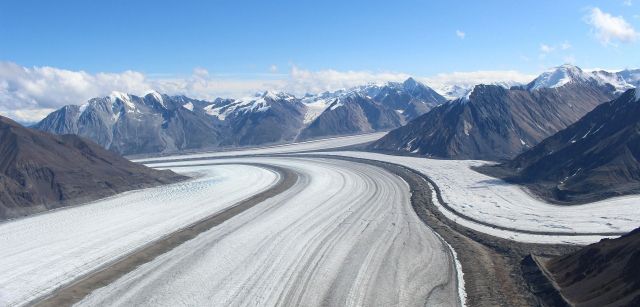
(153, 123)
(495, 123)
(41, 171)
(592, 159)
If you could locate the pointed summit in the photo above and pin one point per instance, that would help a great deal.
(560, 76)
(411, 83)
(273, 95)
(153, 94)
(115, 95)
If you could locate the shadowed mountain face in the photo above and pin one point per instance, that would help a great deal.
(494, 123)
(41, 171)
(601, 274)
(130, 124)
(411, 97)
(595, 158)
(352, 114)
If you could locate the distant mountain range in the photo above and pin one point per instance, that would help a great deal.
(492, 122)
(595, 158)
(496, 123)
(41, 171)
(130, 124)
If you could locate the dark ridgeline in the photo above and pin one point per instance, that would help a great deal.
(41, 171)
(601, 274)
(595, 158)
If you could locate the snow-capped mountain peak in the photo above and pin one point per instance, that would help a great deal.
(616, 79)
(115, 95)
(467, 96)
(157, 96)
(124, 98)
(153, 95)
(560, 76)
(269, 94)
(566, 74)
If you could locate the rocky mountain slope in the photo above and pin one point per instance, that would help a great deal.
(129, 124)
(601, 274)
(411, 98)
(350, 114)
(596, 157)
(494, 123)
(41, 171)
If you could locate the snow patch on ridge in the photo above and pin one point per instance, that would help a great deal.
(467, 127)
(261, 102)
(157, 97)
(336, 105)
(83, 107)
(125, 99)
(314, 109)
(188, 106)
(213, 111)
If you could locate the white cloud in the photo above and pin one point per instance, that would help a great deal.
(566, 45)
(201, 72)
(302, 81)
(273, 68)
(45, 87)
(546, 48)
(569, 59)
(627, 2)
(27, 116)
(476, 77)
(460, 34)
(29, 94)
(608, 28)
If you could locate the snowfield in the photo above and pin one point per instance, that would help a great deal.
(344, 235)
(322, 144)
(40, 253)
(507, 205)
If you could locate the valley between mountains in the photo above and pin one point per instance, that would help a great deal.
(320, 153)
(317, 242)
(380, 195)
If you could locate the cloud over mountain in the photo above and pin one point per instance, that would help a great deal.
(28, 94)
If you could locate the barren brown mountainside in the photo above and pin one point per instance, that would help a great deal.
(595, 158)
(601, 274)
(41, 171)
(495, 123)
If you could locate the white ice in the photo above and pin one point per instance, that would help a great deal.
(41, 252)
(321, 144)
(494, 201)
(344, 235)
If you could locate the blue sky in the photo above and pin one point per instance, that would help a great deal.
(64, 52)
(248, 37)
